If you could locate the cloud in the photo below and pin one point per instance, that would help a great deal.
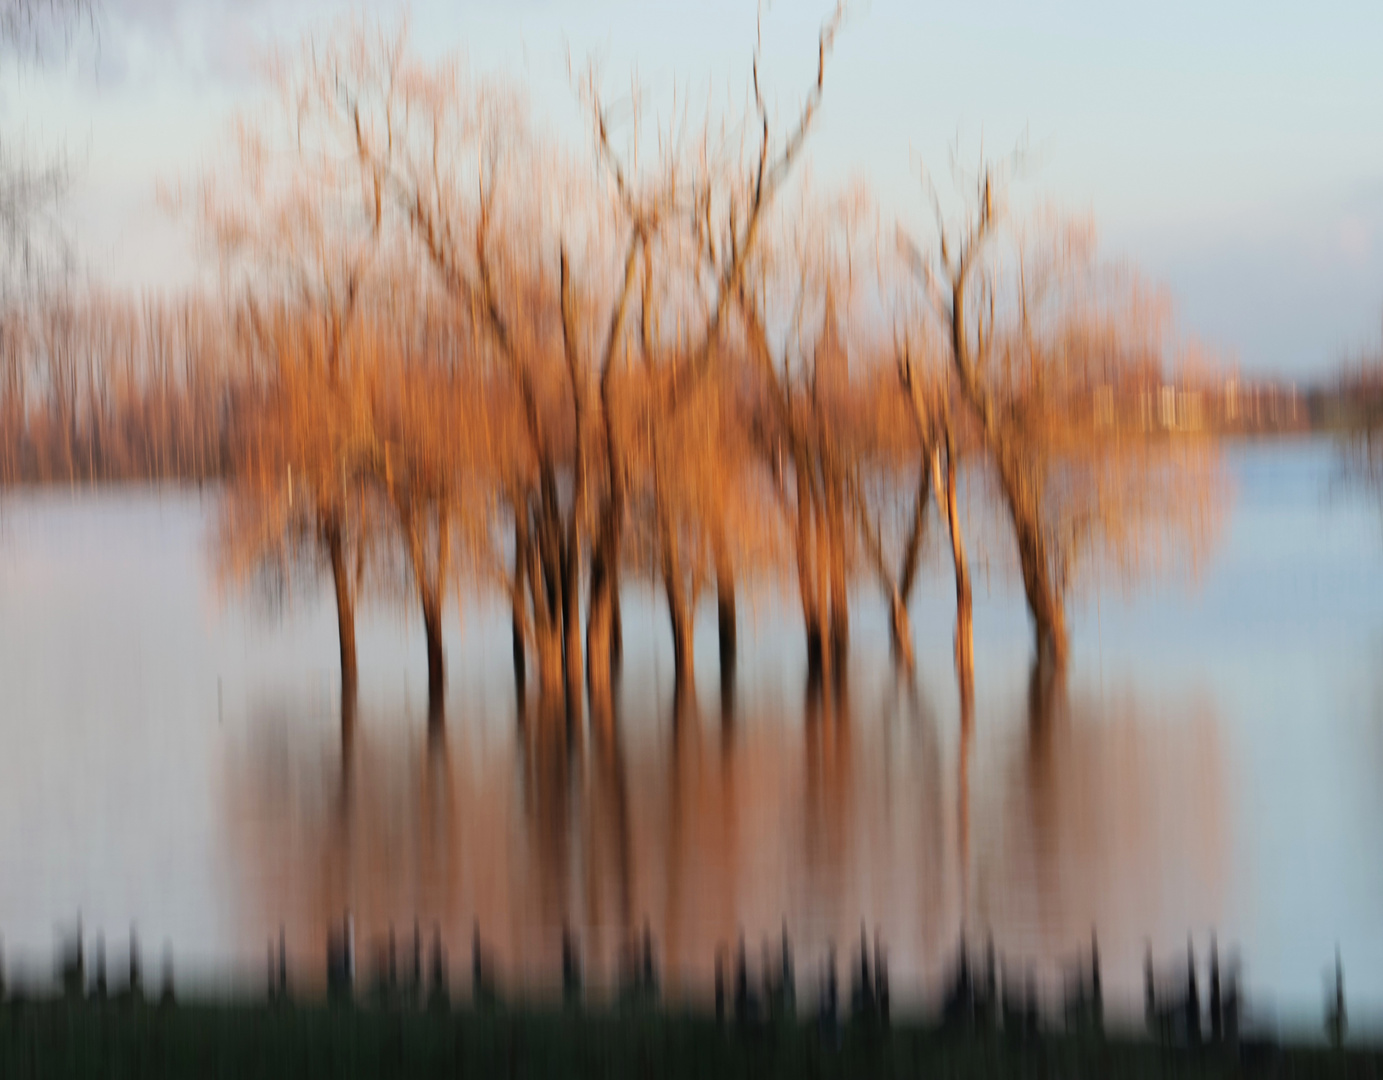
(220, 41)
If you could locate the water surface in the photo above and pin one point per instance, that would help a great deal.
(170, 757)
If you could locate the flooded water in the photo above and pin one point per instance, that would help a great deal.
(170, 758)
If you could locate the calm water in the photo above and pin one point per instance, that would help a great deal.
(169, 757)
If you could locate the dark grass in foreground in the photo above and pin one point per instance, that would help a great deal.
(89, 1038)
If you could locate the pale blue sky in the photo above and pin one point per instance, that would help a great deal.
(1233, 150)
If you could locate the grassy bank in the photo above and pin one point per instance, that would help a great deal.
(59, 1039)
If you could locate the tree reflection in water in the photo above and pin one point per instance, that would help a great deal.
(1034, 823)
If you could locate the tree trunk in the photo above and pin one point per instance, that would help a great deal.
(519, 616)
(725, 615)
(1046, 683)
(603, 630)
(551, 678)
(345, 620)
(516, 632)
(602, 618)
(680, 616)
(965, 635)
(616, 625)
(547, 625)
(806, 578)
(839, 594)
(821, 566)
(1045, 603)
(900, 627)
(572, 665)
(598, 630)
(436, 660)
(900, 631)
(683, 649)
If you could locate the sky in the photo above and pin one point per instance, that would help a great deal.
(1232, 150)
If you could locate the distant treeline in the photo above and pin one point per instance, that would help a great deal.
(1354, 403)
(99, 387)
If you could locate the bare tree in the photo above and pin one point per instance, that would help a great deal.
(437, 431)
(299, 242)
(814, 429)
(440, 159)
(453, 163)
(1034, 326)
(928, 396)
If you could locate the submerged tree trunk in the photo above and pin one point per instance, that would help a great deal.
(345, 619)
(519, 616)
(572, 665)
(679, 615)
(436, 660)
(604, 629)
(1046, 688)
(899, 625)
(821, 583)
(965, 635)
(616, 625)
(598, 664)
(1045, 603)
(839, 595)
(807, 578)
(545, 580)
(551, 680)
(725, 617)
(520, 647)
(900, 631)
(729, 661)
(430, 577)
(548, 645)
(603, 638)
(725, 620)
(602, 617)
